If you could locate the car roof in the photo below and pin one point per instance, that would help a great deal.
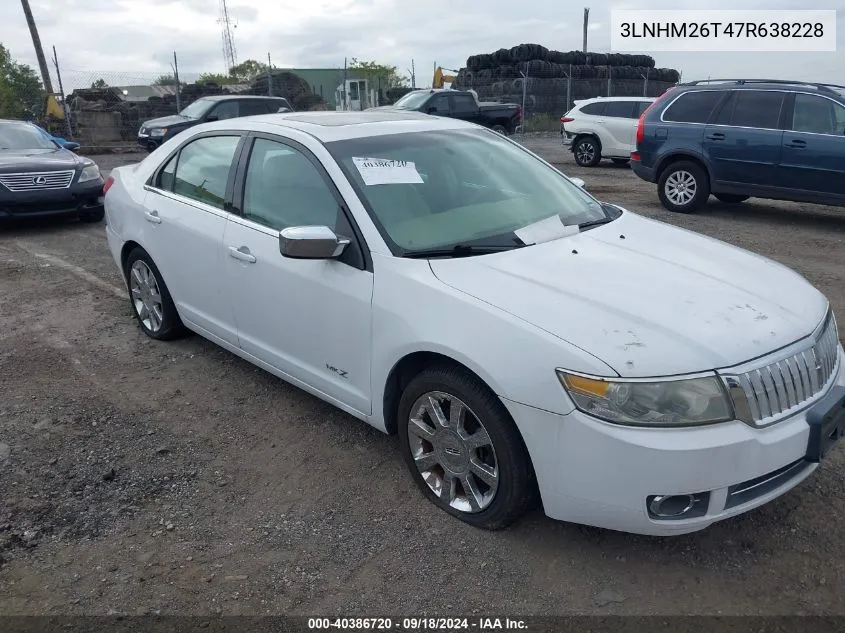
(830, 90)
(595, 99)
(236, 96)
(328, 125)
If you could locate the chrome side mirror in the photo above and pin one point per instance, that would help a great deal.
(311, 242)
(578, 182)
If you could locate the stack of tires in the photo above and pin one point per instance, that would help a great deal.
(497, 76)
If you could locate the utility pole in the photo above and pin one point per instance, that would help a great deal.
(62, 93)
(413, 76)
(39, 51)
(178, 85)
(586, 21)
(269, 77)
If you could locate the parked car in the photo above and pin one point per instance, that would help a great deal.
(604, 127)
(741, 138)
(154, 132)
(70, 145)
(461, 104)
(444, 284)
(40, 178)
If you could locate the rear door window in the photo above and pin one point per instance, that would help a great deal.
(693, 107)
(593, 109)
(620, 109)
(757, 108)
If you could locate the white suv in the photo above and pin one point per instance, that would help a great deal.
(603, 127)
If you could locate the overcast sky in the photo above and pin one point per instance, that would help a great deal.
(131, 39)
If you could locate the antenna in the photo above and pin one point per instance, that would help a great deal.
(229, 53)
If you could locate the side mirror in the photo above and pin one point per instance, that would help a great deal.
(211, 117)
(311, 242)
(578, 182)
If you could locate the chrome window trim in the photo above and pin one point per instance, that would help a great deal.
(201, 206)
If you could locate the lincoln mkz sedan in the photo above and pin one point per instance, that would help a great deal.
(526, 342)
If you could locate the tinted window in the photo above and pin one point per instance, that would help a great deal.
(226, 110)
(283, 188)
(624, 109)
(818, 115)
(640, 108)
(693, 107)
(463, 103)
(254, 106)
(165, 176)
(757, 108)
(440, 103)
(202, 170)
(594, 109)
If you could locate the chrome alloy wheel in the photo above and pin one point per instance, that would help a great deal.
(680, 188)
(453, 452)
(585, 152)
(146, 296)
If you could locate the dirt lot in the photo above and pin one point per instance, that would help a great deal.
(142, 477)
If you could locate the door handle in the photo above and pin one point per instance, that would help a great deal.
(797, 144)
(715, 136)
(152, 216)
(242, 254)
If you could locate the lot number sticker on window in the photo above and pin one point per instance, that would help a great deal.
(382, 171)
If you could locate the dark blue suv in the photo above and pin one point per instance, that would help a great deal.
(742, 138)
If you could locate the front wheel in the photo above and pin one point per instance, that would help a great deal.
(463, 450)
(683, 187)
(587, 152)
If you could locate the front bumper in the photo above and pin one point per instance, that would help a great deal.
(77, 199)
(600, 474)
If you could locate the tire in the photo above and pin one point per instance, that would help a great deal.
(695, 181)
(502, 499)
(142, 279)
(500, 129)
(587, 151)
(621, 161)
(93, 216)
(731, 198)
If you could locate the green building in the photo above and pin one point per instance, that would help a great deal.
(325, 82)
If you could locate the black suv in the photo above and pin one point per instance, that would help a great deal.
(738, 138)
(156, 131)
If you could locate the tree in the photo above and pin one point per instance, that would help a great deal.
(247, 70)
(372, 71)
(100, 83)
(21, 92)
(216, 78)
(165, 80)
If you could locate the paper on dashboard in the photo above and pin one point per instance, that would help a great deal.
(546, 230)
(382, 171)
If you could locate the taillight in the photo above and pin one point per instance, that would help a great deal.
(107, 184)
(566, 119)
(641, 122)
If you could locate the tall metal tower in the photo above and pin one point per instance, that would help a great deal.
(229, 53)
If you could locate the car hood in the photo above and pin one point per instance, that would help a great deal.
(168, 121)
(646, 298)
(37, 159)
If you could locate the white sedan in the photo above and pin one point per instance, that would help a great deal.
(525, 341)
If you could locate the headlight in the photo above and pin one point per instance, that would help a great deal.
(161, 131)
(89, 172)
(659, 403)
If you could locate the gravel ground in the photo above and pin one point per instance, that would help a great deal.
(144, 477)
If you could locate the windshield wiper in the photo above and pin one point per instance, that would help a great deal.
(461, 250)
(592, 223)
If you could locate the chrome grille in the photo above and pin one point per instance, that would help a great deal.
(37, 180)
(769, 391)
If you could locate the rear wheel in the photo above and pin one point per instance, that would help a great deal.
(463, 450)
(731, 198)
(683, 187)
(587, 152)
(500, 129)
(151, 302)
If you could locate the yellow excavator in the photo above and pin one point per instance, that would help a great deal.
(440, 78)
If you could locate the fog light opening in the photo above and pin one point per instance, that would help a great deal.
(671, 506)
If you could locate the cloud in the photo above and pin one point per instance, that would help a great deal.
(132, 39)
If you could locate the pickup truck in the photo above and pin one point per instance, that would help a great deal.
(462, 104)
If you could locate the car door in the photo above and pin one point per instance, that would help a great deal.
(620, 128)
(228, 109)
(439, 105)
(814, 147)
(743, 141)
(465, 108)
(309, 319)
(187, 212)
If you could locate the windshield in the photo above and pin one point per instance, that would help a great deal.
(467, 187)
(412, 100)
(23, 136)
(196, 109)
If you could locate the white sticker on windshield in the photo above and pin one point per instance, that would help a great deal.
(382, 171)
(546, 230)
